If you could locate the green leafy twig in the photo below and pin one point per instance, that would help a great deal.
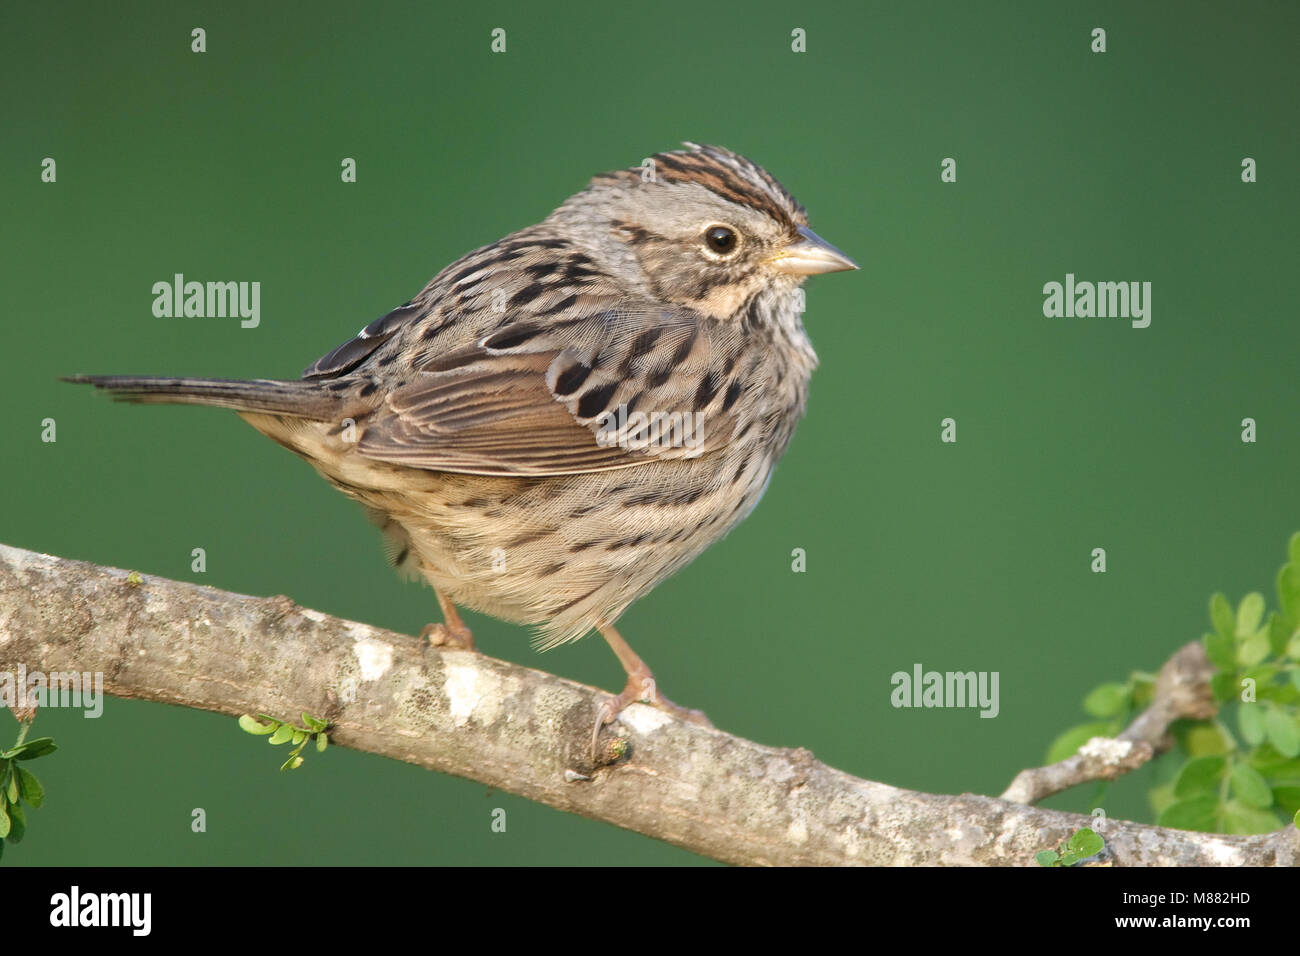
(18, 785)
(282, 732)
(1247, 781)
(1080, 845)
(1242, 782)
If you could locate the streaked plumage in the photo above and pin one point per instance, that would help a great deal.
(480, 409)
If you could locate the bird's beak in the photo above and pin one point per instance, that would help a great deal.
(810, 256)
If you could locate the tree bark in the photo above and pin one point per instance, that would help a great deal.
(528, 732)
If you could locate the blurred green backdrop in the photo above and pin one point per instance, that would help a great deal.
(1073, 433)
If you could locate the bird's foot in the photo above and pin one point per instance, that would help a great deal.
(641, 689)
(449, 635)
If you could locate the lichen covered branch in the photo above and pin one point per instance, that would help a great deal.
(527, 732)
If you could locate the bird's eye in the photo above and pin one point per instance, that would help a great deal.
(721, 239)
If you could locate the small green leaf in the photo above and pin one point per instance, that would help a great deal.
(1071, 740)
(1272, 764)
(1201, 775)
(1205, 739)
(1287, 797)
(293, 763)
(5, 825)
(299, 736)
(1144, 690)
(1051, 857)
(11, 790)
(251, 725)
(1221, 615)
(1282, 733)
(282, 734)
(1261, 674)
(1224, 685)
(1279, 691)
(1221, 649)
(1197, 813)
(1249, 613)
(322, 741)
(1278, 634)
(1253, 649)
(315, 723)
(1106, 700)
(33, 792)
(37, 748)
(1288, 591)
(1241, 819)
(18, 821)
(1250, 721)
(1287, 694)
(1250, 787)
(1086, 843)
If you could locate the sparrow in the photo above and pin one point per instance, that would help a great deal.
(563, 418)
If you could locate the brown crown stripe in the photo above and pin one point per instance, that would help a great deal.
(725, 173)
(762, 178)
(728, 182)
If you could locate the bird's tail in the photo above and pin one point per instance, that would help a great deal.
(297, 398)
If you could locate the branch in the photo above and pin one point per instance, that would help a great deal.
(1182, 690)
(528, 732)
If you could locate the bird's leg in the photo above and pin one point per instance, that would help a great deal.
(640, 686)
(452, 632)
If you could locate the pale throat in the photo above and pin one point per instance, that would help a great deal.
(724, 300)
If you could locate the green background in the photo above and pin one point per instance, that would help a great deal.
(1073, 433)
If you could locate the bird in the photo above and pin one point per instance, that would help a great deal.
(562, 419)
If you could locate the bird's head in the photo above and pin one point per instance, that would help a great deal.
(705, 228)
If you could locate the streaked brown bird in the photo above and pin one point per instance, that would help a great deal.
(565, 417)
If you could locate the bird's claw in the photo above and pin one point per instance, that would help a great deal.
(448, 635)
(639, 690)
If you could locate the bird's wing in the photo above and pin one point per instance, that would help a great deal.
(548, 396)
